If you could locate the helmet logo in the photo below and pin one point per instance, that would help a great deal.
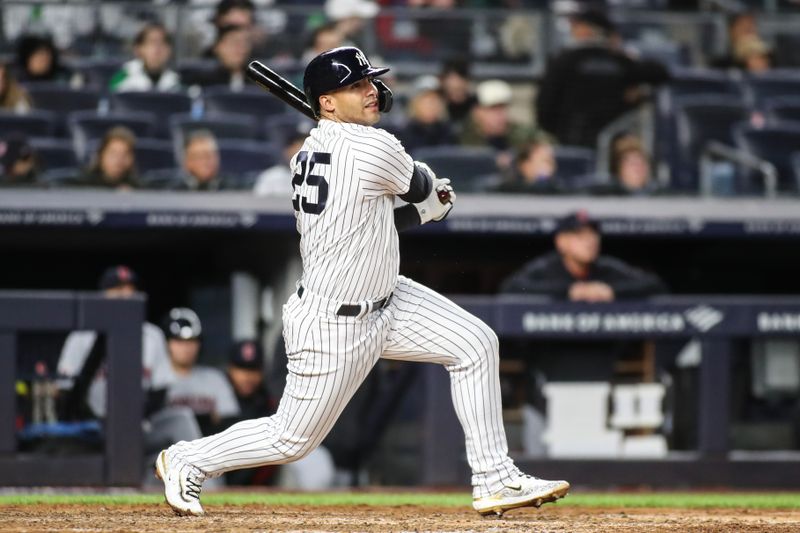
(361, 59)
(339, 67)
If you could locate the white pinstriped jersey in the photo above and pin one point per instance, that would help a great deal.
(345, 178)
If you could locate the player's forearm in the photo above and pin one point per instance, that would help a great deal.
(420, 187)
(406, 217)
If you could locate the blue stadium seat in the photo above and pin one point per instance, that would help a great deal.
(252, 101)
(97, 73)
(775, 144)
(701, 119)
(469, 168)
(61, 98)
(162, 104)
(54, 153)
(760, 89)
(572, 161)
(783, 109)
(33, 124)
(280, 128)
(88, 126)
(242, 158)
(191, 71)
(222, 125)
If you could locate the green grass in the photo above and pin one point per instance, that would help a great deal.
(669, 499)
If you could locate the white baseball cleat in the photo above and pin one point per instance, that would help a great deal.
(524, 491)
(182, 485)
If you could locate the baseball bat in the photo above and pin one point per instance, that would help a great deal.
(279, 86)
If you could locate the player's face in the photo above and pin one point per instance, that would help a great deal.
(183, 352)
(581, 245)
(245, 380)
(357, 103)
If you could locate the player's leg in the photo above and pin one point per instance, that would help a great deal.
(428, 327)
(328, 358)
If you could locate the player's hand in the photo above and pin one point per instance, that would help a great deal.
(439, 202)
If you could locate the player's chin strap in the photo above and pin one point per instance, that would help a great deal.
(385, 96)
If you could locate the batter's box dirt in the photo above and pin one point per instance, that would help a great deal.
(552, 519)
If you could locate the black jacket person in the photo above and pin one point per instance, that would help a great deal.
(576, 271)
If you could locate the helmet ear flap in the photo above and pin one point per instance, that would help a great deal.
(385, 96)
(313, 102)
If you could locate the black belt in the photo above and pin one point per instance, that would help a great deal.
(352, 310)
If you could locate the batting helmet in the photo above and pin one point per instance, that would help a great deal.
(339, 68)
(182, 323)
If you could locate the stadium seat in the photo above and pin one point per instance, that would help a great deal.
(97, 73)
(796, 166)
(783, 109)
(701, 119)
(33, 123)
(192, 71)
(252, 101)
(240, 158)
(163, 105)
(54, 153)
(222, 125)
(760, 89)
(468, 167)
(61, 98)
(573, 161)
(280, 128)
(87, 126)
(775, 144)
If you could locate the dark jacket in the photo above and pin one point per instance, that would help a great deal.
(547, 276)
(418, 135)
(585, 88)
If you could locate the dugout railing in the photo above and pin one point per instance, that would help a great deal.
(118, 322)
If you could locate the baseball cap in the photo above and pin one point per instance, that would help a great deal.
(116, 276)
(182, 323)
(425, 84)
(575, 221)
(342, 9)
(13, 148)
(247, 354)
(493, 92)
(594, 17)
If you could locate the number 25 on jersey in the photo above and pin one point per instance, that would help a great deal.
(306, 174)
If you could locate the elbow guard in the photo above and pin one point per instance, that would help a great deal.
(421, 185)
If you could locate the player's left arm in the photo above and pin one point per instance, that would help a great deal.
(434, 205)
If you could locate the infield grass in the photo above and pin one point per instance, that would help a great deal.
(760, 500)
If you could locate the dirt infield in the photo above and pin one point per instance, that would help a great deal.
(30, 518)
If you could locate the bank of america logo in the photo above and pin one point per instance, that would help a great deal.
(704, 317)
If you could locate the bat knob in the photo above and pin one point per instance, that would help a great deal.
(444, 196)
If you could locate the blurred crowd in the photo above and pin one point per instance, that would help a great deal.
(120, 111)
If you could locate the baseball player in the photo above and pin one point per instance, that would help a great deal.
(352, 307)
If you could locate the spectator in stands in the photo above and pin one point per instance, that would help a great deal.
(13, 97)
(243, 13)
(741, 26)
(350, 17)
(149, 70)
(323, 38)
(428, 124)
(457, 90)
(592, 83)
(162, 424)
(114, 164)
(231, 52)
(17, 162)
(276, 180)
(201, 162)
(753, 55)
(203, 389)
(534, 170)
(576, 271)
(632, 170)
(38, 60)
(491, 124)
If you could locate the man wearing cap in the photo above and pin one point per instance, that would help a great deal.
(203, 389)
(162, 424)
(490, 123)
(593, 82)
(576, 271)
(427, 124)
(246, 376)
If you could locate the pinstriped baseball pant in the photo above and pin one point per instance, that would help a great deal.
(328, 358)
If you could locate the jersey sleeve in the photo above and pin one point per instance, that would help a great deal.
(382, 164)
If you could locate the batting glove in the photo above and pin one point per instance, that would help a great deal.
(438, 203)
